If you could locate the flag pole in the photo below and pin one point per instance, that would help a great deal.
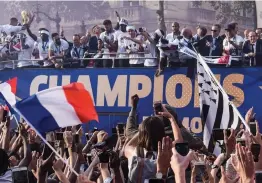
(47, 143)
(210, 73)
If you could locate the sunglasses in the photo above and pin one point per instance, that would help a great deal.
(214, 30)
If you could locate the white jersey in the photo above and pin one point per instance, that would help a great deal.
(134, 47)
(26, 54)
(151, 48)
(121, 44)
(107, 36)
(10, 28)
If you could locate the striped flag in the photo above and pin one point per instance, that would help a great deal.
(215, 108)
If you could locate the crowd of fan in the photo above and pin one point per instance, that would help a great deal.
(128, 45)
(158, 150)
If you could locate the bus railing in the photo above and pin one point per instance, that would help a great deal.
(70, 61)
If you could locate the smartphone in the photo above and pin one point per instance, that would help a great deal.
(87, 137)
(76, 138)
(158, 107)
(156, 181)
(201, 171)
(114, 131)
(59, 136)
(258, 175)
(241, 141)
(253, 128)
(120, 127)
(182, 148)
(218, 134)
(20, 175)
(255, 149)
(89, 158)
(5, 114)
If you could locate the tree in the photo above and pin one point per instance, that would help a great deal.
(161, 18)
(229, 10)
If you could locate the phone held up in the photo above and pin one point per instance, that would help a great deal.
(158, 107)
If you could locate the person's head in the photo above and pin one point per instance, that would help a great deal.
(44, 34)
(4, 162)
(258, 31)
(231, 29)
(123, 24)
(187, 33)
(175, 26)
(131, 31)
(201, 31)
(236, 27)
(252, 36)
(215, 30)
(13, 21)
(76, 40)
(246, 33)
(56, 38)
(108, 25)
(83, 40)
(150, 132)
(96, 30)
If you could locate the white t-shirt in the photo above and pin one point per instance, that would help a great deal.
(151, 48)
(9, 28)
(121, 44)
(58, 49)
(108, 36)
(230, 48)
(43, 48)
(134, 47)
(7, 177)
(26, 54)
(171, 37)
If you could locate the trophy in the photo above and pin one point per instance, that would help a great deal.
(26, 17)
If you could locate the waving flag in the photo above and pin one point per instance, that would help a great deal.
(216, 110)
(58, 107)
(8, 91)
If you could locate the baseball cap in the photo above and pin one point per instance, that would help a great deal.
(123, 22)
(231, 26)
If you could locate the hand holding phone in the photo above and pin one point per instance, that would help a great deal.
(182, 148)
(158, 107)
(253, 128)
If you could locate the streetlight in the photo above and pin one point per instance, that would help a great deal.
(56, 19)
(83, 27)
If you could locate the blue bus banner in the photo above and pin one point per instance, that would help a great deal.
(111, 90)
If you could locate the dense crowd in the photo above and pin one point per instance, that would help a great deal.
(158, 150)
(125, 46)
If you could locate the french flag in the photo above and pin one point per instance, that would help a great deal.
(8, 91)
(58, 107)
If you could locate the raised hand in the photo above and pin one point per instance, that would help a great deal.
(68, 137)
(224, 178)
(230, 142)
(244, 164)
(134, 101)
(164, 155)
(58, 165)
